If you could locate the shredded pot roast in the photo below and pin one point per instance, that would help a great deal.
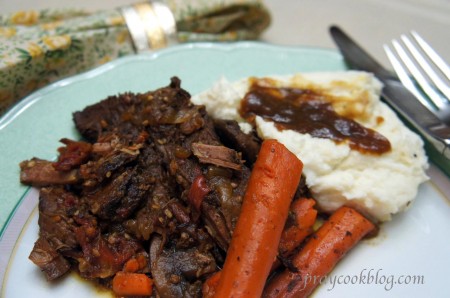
(153, 179)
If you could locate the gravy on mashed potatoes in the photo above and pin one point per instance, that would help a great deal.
(380, 180)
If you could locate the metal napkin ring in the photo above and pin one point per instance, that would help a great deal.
(151, 25)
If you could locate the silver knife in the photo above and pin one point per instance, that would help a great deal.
(432, 129)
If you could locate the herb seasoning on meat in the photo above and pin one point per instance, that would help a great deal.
(128, 193)
(154, 190)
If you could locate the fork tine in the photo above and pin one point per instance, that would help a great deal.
(440, 63)
(405, 78)
(417, 74)
(426, 67)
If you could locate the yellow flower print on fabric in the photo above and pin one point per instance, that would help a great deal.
(51, 25)
(116, 21)
(7, 32)
(34, 50)
(122, 36)
(105, 59)
(58, 42)
(27, 18)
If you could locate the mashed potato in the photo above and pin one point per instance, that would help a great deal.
(379, 185)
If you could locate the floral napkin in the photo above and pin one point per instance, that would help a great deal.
(39, 47)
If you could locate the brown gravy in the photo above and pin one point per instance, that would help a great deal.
(306, 111)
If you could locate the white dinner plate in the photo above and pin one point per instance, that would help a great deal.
(409, 257)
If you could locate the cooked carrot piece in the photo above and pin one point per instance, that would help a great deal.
(304, 217)
(132, 265)
(343, 230)
(254, 244)
(132, 284)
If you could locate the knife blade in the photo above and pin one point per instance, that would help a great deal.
(432, 129)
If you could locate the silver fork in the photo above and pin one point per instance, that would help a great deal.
(423, 72)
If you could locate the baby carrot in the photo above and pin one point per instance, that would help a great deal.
(304, 216)
(210, 285)
(254, 244)
(132, 265)
(343, 230)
